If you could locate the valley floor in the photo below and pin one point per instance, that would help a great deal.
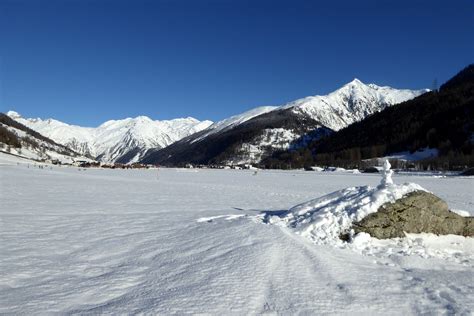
(190, 241)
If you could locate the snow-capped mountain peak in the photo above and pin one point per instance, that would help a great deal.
(355, 82)
(351, 103)
(124, 140)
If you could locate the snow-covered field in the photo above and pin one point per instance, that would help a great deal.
(192, 241)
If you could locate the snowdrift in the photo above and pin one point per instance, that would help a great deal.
(325, 218)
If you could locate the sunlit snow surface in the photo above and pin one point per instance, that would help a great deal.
(191, 241)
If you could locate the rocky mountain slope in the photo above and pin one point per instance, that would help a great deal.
(122, 141)
(256, 134)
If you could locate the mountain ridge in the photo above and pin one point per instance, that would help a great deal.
(113, 140)
(247, 137)
(17, 139)
(254, 134)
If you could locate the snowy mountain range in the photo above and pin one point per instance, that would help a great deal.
(243, 138)
(256, 134)
(19, 140)
(123, 141)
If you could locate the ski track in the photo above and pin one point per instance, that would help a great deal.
(173, 242)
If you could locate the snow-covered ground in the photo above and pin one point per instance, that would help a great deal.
(191, 241)
(424, 153)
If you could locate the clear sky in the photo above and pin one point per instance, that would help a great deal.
(88, 61)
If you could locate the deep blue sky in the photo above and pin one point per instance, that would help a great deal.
(85, 62)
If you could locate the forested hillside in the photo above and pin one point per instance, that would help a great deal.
(441, 120)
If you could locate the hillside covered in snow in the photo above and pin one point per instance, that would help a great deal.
(18, 140)
(124, 141)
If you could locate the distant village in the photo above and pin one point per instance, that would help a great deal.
(366, 166)
(136, 165)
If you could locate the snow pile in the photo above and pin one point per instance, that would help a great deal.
(451, 248)
(324, 219)
(339, 169)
